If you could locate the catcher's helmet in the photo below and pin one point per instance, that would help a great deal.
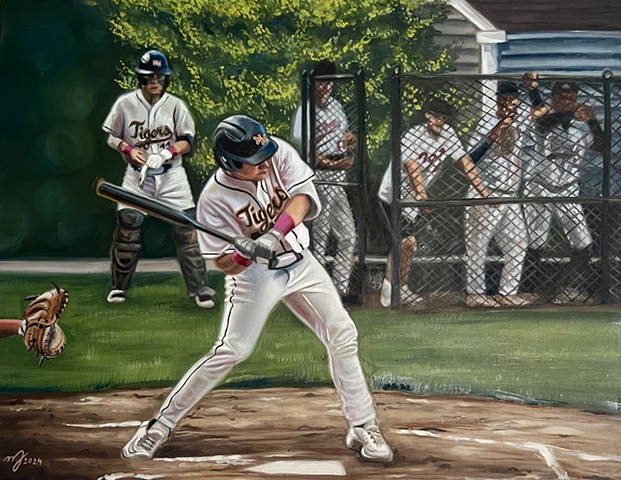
(239, 139)
(153, 62)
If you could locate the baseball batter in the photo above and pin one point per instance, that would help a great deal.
(501, 171)
(424, 149)
(152, 130)
(334, 145)
(264, 191)
(566, 133)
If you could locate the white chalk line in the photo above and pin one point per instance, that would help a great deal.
(131, 423)
(120, 475)
(217, 459)
(279, 467)
(301, 467)
(545, 451)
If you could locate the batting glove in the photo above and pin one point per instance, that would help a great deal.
(258, 250)
(156, 160)
(269, 241)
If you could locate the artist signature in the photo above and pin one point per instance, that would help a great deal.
(22, 458)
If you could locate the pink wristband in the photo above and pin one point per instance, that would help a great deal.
(173, 150)
(127, 149)
(284, 224)
(240, 260)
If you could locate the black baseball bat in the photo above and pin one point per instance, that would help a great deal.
(178, 217)
(154, 208)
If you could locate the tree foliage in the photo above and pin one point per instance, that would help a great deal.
(244, 56)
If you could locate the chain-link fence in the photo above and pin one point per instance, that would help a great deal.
(333, 143)
(507, 191)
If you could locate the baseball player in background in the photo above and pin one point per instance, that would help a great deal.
(566, 132)
(500, 169)
(424, 149)
(152, 130)
(334, 154)
(262, 193)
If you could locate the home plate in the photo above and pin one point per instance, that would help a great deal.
(301, 467)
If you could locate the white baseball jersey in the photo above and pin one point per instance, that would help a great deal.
(330, 127)
(563, 152)
(556, 173)
(337, 219)
(500, 169)
(152, 128)
(237, 207)
(255, 206)
(430, 153)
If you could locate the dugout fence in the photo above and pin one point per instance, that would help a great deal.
(550, 232)
(565, 173)
(338, 236)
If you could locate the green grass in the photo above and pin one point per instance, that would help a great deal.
(569, 355)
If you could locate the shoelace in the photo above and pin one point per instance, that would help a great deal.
(375, 436)
(148, 442)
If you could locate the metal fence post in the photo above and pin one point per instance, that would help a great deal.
(395, 159)
(305, 127)
(605, 232)
(361, 155)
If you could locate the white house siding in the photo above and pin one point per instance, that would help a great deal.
(460, 33)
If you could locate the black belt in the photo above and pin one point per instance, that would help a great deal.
(153, 171)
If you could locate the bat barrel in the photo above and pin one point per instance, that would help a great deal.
(152, 207)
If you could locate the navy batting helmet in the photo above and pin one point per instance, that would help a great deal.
(240, 139)
(153, 62)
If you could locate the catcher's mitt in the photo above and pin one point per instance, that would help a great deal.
(39, 327)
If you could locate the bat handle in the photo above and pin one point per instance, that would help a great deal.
(284, 260)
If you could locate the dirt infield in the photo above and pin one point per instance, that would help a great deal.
(299, 433)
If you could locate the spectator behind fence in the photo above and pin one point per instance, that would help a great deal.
(565, 134)
(500, 169)
(334, 154)
(424, 148)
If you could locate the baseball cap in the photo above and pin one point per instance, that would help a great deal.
(564, 87)
(439, 107)
(324, 67)
(507, 88)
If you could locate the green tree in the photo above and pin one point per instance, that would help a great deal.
(244, 56)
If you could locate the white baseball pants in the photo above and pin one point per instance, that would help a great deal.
(308, 291)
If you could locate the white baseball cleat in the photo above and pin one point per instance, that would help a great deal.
(408, 297)
(203, 297)
(116, 296)
(369, 442)
(385, 293)
(149, 437)
(205, 303)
